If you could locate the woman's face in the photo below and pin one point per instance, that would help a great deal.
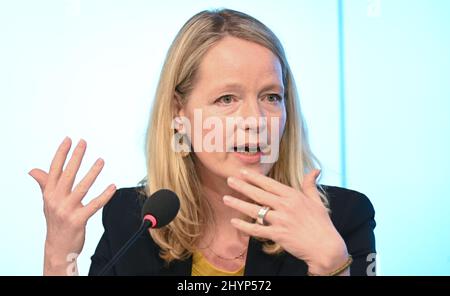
(237, 104)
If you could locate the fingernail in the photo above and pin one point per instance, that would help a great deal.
(112, 187)
(65, 140)
(231, 180)
(226, 198)
(244, 172)
(234, 221)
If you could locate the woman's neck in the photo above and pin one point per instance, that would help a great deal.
(221, 243)
(214, 188)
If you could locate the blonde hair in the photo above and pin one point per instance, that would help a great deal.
(167, 169)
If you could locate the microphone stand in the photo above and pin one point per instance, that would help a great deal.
(144, 226)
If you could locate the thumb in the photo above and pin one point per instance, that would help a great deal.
(309, 186)
(40, 176)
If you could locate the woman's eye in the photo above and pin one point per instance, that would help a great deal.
(273, 98)
(225, 100)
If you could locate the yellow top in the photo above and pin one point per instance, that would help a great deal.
(201, 266)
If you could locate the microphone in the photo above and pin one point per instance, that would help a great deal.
(158, 211)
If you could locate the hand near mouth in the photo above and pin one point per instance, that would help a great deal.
(297, 219)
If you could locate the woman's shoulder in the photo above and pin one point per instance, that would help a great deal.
(349, 208)
(121, 219)
(340, 197)
(124, 207)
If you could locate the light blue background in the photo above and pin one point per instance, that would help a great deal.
(374, 80)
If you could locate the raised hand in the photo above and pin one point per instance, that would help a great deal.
(65, 215)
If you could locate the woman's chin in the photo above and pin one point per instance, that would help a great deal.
(249, 162)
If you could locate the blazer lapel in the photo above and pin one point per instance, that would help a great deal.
(260, 263)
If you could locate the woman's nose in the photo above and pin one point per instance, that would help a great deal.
(253, 115)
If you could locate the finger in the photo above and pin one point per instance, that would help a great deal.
(82, 188)
(309, 186)
(68, 176)
(257, 194)
(253, 229)
(58, 162)
(40, 176)
(266, 183)
(96, 204)
(246, 208)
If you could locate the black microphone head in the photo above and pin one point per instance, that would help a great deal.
(161, 208)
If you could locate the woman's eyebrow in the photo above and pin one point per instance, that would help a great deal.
(273, 86)
(231, 85)
(238, 86)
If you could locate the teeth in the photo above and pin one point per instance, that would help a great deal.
(249, 153)
(246, 149)
(252, 150)
(264, 148)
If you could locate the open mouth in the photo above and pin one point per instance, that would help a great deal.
(248, 149)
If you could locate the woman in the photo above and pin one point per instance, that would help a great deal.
(250, 205)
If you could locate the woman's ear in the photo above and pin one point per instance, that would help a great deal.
(178, 111)
(178, 106)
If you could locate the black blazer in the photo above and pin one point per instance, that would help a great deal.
(351, 213)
